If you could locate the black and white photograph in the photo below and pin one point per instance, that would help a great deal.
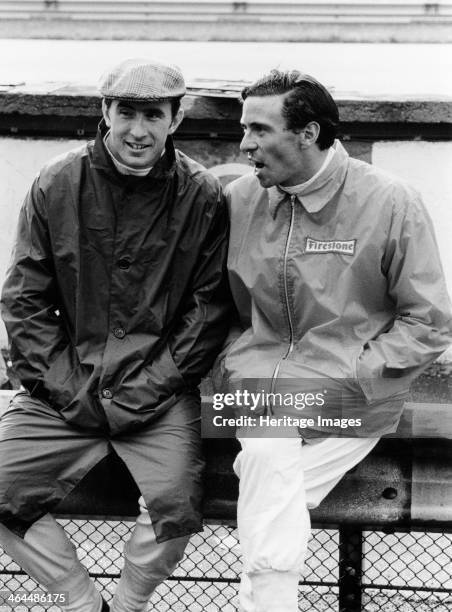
(226, 280)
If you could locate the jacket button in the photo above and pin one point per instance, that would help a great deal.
(119, 332)
(123, 263)
(107, 394)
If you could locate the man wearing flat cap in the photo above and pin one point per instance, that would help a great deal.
(115, 305)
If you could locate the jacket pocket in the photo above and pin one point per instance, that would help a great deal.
(147, 388)
(376, 382)
(167, 365)
(65, 378)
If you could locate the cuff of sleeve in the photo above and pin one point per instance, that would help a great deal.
(376, 383)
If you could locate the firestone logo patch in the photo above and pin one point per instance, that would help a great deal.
(346, 247)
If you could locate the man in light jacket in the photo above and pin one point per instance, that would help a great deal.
(335, 273)
(115, 307)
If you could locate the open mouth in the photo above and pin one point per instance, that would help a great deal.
(257, 165)
(136, 147)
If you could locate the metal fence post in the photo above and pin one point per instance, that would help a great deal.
(350, 568)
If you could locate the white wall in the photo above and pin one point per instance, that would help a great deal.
(20, 160)
(428, 167)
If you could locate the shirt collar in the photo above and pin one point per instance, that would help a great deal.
(304, 187)
(122, 168)
(101, 159)
(318, 192)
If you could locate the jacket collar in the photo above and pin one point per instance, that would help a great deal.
(321, 190)
(101, 160)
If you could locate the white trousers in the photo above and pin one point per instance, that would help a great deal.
(48, 556)
(280, 480)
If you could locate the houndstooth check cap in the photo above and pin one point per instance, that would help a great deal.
(142, 79)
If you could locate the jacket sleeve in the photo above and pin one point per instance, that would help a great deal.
(422, 328)
(29, 298)
(204, 321)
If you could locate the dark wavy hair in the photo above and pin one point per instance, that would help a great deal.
(306, 100)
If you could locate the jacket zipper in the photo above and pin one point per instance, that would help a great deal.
(286, 295)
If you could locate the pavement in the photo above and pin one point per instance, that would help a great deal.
(412, 70)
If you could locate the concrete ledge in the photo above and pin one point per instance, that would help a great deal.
(219, 100)
(212, 112)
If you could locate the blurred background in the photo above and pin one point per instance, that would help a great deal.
(263, 20)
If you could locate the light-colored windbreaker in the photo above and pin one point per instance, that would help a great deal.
(343, 283)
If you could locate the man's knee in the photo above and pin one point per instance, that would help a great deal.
(272, 453)
(157, 562)
(144, 551)
(262, 449)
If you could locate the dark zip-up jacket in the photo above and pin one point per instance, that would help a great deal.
(115, 301)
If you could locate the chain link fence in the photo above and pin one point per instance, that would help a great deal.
(406, 572)
(410, 572)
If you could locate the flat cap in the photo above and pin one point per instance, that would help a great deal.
(142, 79)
